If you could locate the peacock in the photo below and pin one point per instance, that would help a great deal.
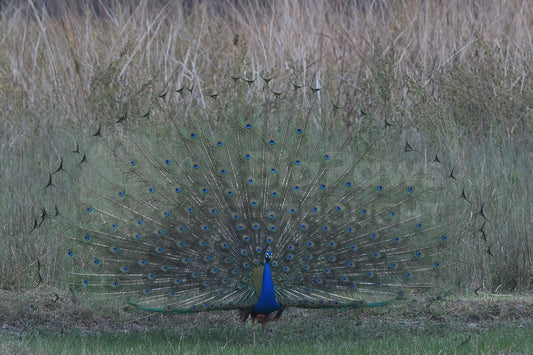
(254, 199)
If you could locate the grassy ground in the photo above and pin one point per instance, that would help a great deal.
(48, 323)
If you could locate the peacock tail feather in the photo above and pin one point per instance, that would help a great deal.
(175, 210)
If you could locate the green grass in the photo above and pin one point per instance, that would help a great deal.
(367, 339)
(480, 325)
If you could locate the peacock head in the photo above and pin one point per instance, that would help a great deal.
(268, 255)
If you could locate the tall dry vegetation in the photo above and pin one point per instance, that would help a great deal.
(456, 72)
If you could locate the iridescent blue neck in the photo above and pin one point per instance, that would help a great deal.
(267, 300)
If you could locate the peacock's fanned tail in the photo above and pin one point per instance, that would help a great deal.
(175, 214)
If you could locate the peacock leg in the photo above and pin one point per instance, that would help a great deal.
(253, 330)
